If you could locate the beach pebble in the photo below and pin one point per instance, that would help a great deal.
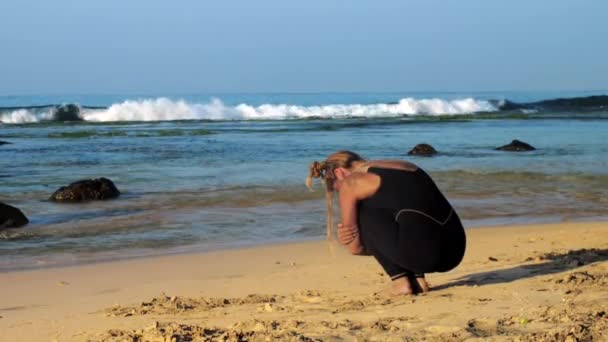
(492, 259)
(268, 307)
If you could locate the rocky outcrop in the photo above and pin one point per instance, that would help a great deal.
(68, 112)
(11, 217)
(424, 150)
(516, 146)
(86, 190)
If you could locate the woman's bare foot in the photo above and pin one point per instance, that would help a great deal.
(401, 287)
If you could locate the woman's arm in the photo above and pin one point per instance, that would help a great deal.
(349, 236)
(348, 231)
(355, 188)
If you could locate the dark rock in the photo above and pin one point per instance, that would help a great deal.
(11, 217)
(87, 190)
(69, 112)
(516, 146)
(576, 103)
(509, 105)
(4, 142)
(423, 150)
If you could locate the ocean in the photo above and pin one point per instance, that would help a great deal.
(200, 172)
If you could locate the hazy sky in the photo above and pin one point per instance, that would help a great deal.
(148, 46)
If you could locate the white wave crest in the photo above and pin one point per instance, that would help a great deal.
(22, 116)
(164, 109)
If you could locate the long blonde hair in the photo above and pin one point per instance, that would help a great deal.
(325, 171)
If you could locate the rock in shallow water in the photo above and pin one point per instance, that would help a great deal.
(516, 146)
(86, 190)
(425, 150)
(11, 217)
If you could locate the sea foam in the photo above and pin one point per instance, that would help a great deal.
(165, 109)
(21, 116)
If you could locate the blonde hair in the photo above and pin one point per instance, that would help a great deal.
(325, 171)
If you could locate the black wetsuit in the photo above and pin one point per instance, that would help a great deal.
(409, 226)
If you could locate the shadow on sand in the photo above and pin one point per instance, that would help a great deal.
(553, 263)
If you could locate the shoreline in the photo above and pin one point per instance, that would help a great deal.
(511, 271)
(126, 255)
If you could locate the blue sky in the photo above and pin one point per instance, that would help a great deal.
(190, 46)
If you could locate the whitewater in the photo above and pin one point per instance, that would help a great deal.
(165, 109)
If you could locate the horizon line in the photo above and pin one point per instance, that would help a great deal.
(160, 94)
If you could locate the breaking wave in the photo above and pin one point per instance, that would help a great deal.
(164, 109)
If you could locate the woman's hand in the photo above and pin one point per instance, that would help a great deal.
(347, 234)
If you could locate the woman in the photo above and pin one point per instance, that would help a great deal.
(394, 211)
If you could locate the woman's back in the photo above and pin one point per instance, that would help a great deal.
(410, 190)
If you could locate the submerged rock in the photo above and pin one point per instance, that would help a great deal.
(11, 217)
(516, 146)
(4, 142)
(68, 112)
(424, 150)
(87, 190)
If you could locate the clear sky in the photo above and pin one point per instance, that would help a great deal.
(149, 46)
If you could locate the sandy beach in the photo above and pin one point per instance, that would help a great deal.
(528, 283)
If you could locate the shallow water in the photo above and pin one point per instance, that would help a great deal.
(205, 184)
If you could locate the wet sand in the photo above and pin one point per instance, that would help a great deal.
(526, 283)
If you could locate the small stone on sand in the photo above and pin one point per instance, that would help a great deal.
(259, 326)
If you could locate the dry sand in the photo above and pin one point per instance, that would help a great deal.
(529, 283)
